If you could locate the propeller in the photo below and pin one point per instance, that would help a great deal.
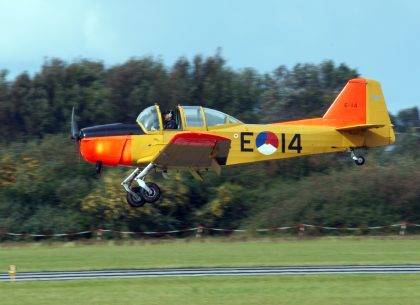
(75, 132)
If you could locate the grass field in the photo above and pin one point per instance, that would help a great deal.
(259, 290)
(309, 289)
(181, 253)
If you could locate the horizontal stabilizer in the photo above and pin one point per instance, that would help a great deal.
(359, 127)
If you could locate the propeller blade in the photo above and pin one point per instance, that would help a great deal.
(75, 133)
(74, 127)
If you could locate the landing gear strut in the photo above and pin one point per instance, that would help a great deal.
(359, 160)
(146, 192)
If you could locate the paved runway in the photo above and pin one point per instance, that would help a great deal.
(190, 272)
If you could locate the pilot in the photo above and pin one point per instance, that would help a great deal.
(169, 121)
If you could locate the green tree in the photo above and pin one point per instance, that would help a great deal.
(6, 110)
(408, 118)
(305, 91)
(134, 85)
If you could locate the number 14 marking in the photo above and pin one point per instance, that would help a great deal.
(295, 143)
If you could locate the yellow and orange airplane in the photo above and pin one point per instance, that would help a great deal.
(207, 139)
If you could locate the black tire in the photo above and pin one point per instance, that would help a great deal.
(154, 196)
(136, 202)
(360, 161)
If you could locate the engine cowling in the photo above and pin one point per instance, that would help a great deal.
(111, 151)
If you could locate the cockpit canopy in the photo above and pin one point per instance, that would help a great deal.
(151, 119)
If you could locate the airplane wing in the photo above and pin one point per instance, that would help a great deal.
(194, 150)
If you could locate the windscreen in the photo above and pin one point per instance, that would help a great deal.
(149, 119)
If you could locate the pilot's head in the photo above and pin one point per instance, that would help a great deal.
(168, 116)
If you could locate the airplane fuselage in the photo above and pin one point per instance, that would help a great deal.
(249, 143)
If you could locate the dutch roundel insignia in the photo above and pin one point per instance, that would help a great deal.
(267, 143)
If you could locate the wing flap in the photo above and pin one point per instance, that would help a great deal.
(194, 150)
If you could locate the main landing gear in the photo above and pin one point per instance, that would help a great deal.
(359, 160)
(146, 192)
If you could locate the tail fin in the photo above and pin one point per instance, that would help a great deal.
(361, 106)
(360, 110)
(361, 102)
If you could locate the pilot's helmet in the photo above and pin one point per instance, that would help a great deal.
(168, 112)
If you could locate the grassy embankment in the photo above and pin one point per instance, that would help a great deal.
(310, 289)
(293, 290)
(218, 252)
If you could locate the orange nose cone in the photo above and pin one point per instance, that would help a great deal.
(87, 149)
(112, 151)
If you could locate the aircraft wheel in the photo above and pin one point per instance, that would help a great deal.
(136, 202)
(154, 195)
(360, 161)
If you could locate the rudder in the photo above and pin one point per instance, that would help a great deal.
(376, 111)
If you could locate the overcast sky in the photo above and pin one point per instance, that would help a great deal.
(381, 39)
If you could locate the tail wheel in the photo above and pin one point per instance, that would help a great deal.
(359, 161)
(154, 195)
(136, 202)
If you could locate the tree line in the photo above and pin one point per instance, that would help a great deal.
(45, 187)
